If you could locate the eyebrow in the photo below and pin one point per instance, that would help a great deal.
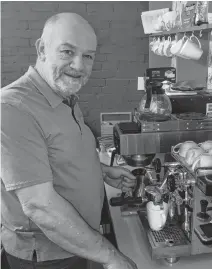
(74, 47)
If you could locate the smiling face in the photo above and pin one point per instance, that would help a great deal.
(69, 55)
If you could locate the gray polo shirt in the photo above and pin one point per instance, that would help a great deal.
(41, 142)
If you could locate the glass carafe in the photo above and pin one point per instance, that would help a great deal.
(155, 105)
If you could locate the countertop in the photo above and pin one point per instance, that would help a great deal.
(131, 239)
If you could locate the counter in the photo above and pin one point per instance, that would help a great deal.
(131, 239)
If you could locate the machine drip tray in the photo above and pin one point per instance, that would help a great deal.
(170, 242)
(170, 235)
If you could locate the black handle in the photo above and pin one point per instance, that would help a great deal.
(119, 201)
(148, 96)
(203, 204)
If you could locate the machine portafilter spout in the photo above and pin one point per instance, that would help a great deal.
(170, 172)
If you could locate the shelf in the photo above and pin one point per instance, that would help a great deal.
(185, 30)
(203, 95)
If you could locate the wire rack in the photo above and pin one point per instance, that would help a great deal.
(194, 173)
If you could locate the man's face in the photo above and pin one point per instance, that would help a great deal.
(69, 61)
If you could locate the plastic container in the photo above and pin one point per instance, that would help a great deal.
(150, 19)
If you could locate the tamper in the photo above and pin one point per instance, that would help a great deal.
(203, 215)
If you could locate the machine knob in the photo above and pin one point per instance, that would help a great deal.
(158, 177)
(203, 204)
(203, 215)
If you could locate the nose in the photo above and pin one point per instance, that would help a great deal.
(77, 63)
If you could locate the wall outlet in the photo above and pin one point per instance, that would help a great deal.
(141, 84)
(209, 109)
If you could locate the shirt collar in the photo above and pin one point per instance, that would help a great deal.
(53, 98)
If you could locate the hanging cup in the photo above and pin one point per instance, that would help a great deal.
(190, 49)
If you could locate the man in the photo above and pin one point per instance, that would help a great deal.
(52, 187)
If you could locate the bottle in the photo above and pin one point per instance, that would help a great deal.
(201, 16)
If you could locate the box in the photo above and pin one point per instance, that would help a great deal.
(109, 119)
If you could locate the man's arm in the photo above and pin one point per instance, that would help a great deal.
(63, 225)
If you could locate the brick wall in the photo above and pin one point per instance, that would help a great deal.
(122, 53)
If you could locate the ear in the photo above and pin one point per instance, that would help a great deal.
(40, 47)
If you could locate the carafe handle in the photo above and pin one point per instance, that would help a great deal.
(148, 96)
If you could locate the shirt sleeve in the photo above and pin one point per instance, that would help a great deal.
(24, 154)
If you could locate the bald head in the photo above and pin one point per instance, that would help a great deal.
(64, 24)
(66, 53)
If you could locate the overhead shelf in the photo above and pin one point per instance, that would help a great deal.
(184, 30)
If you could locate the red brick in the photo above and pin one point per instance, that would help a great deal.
(117, 82)
(125, 7)
(122, 24)
(103, 74)
(95, 82)
(23, 34)
(15, 42)
(34, 15)
(46, 6)
(9, 25)
(106, 49)
(123, 54)
(37, 25)
(15, 59)
(100, 7)
(100, 58)
(72, 6)
(110, 65)
(97, 66)
(27, 51)
(115, 90)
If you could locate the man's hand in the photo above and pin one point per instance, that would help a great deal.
(122, 262)
(119, 177)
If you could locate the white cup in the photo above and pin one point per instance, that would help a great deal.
(207, 145)
(176, 48)
(151, 44)
(156, 216)
(168, 51)
(182, 148)
(192, 154)
(156, 45)
(210, 151)
(191, 50)
(204, 160)
(167, 45)
(160, 47)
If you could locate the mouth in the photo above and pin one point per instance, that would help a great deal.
(73, 76)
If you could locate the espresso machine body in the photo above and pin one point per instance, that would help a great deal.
(188, 230)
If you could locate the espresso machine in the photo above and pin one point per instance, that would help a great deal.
(188, 228)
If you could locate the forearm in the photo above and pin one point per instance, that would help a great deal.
(63, 225)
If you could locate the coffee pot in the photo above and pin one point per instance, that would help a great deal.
(155, 105)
